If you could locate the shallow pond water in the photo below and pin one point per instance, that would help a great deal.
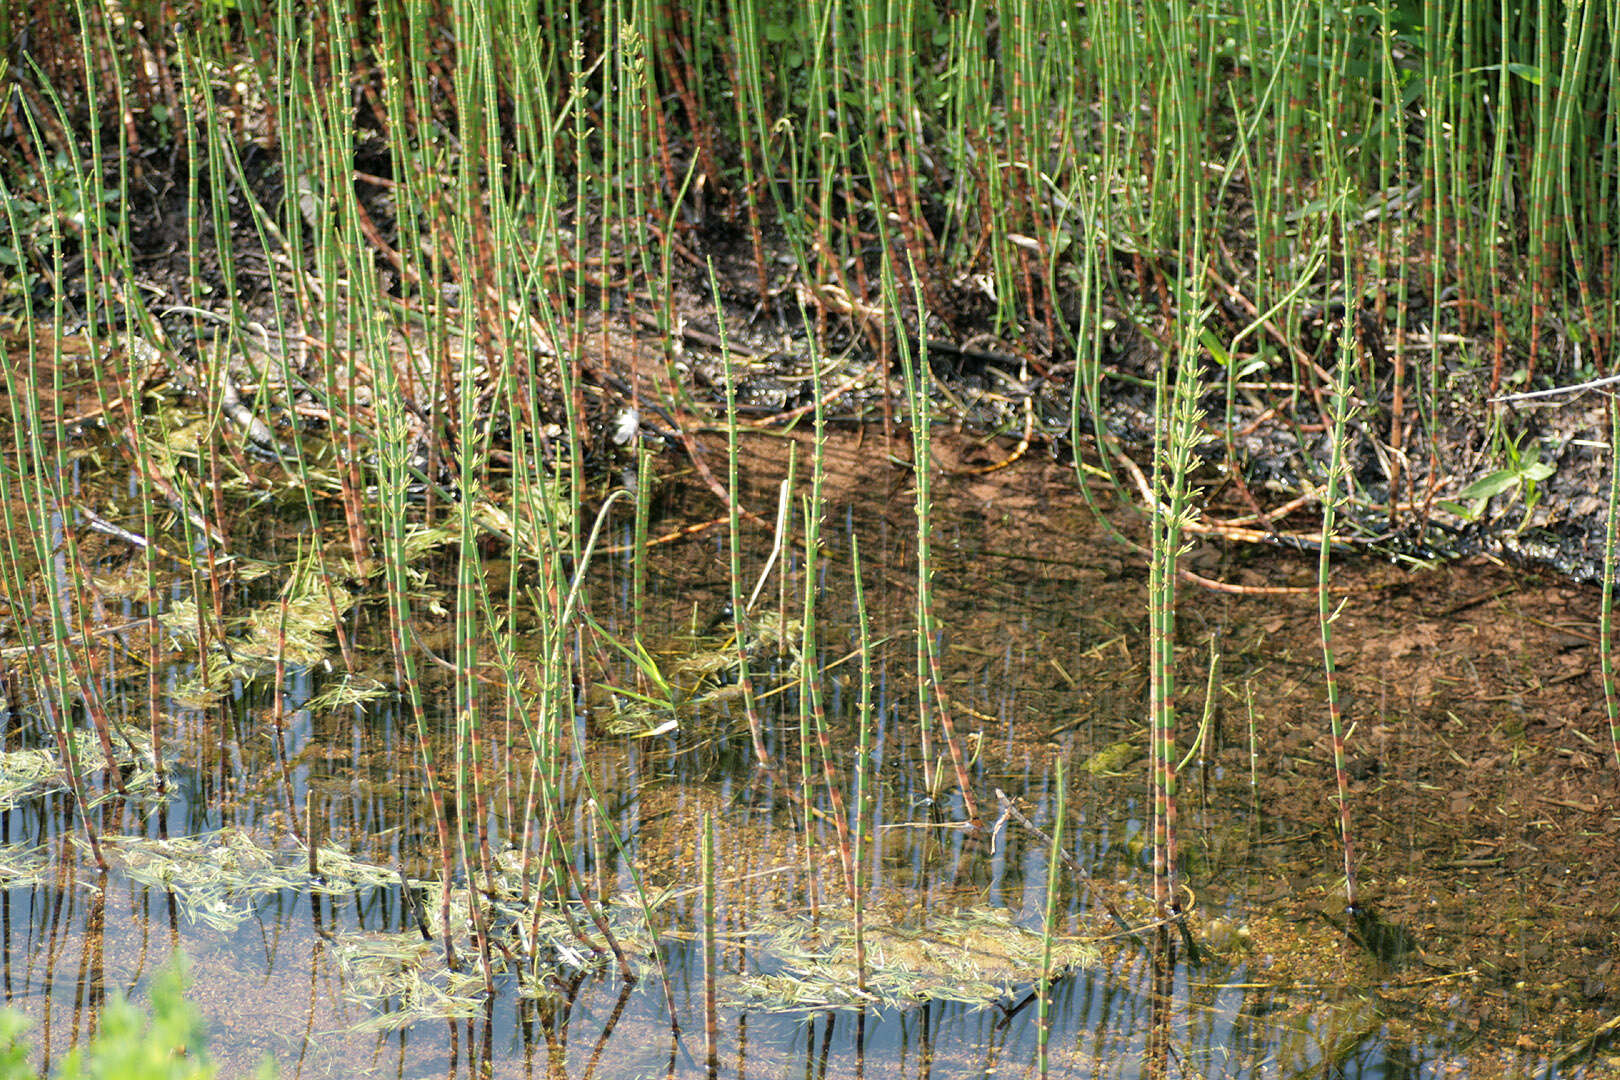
(1482, 798)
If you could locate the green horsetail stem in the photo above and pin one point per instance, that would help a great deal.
(1337, 467)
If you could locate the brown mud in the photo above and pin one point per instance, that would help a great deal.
(1014, 382)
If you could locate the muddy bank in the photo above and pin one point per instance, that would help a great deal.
(1439, 469)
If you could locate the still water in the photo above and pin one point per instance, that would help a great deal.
(1041, 618)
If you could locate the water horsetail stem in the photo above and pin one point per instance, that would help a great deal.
(1606, 619)
(1325, 615)
(1054, 861)
(278, 718)
(863, 764)
(810, 666)
(739, 610)
(711, 1011)
(394, 479)
(470, 787)
(1177, 434)
(40, 500)
(1156, 706)
(930, 701)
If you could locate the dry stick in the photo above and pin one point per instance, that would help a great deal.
(784, 502)
(1300, 355)
(1233, 534)
(690, 334)
(1530, 395)
(784, 419)
(683, 533)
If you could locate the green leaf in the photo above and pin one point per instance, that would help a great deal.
(13, 1051)
(1494, 484)
(1537, 471)
(1530, 73)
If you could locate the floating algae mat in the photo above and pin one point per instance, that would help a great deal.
(218, 878)
(974, 957)
(30, 772)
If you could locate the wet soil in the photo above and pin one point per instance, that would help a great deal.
(1016, 382)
